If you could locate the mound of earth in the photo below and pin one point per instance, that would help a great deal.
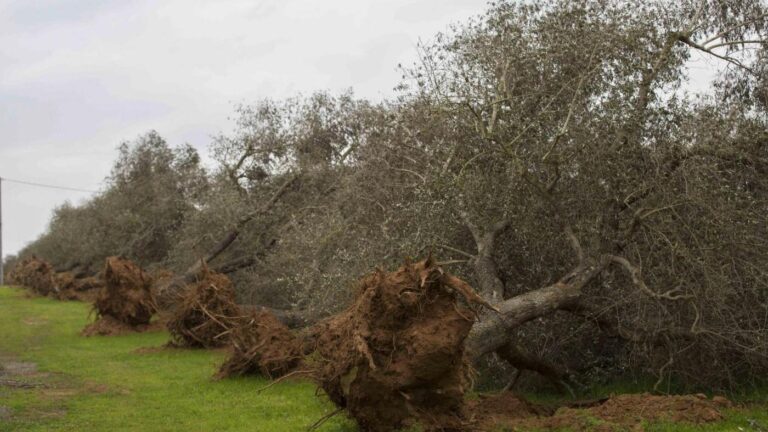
(617, 413)
(396, 356)
(206, 314)
(261, 344)
(125, 298)
(36, 274)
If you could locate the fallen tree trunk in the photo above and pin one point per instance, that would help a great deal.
(235, 231)
(169, 292)
(492, 332)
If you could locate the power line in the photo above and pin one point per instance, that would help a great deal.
(43, 185)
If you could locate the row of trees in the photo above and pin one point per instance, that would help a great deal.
(548, 152)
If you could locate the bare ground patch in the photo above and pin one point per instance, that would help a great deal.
(52, 388)
(616, 413)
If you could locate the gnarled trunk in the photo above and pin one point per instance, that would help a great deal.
(492, 332)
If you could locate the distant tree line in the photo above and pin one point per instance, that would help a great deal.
(545, 152)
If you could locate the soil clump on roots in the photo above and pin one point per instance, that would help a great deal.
(206, 314)
(36, 274)
(396, 356)
(125, 302)
(261, 344)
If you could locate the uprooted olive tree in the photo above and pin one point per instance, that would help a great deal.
(553, 155)
(591, 192)
(125, 302)
(151, 188)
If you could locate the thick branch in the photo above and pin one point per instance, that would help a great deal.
(236, 264)
(486, 271)
(458, 251)
(575, 244)
(687, 40)
(473, 228)
(493, 333)
(232, 235)
(169, 291)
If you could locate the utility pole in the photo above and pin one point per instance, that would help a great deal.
(1, 231)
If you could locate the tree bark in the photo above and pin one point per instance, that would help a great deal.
(493, 331)
(232, 235)
(490, 285)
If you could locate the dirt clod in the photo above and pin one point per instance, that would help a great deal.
(396, 356)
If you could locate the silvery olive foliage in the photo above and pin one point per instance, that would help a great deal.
(526, 140)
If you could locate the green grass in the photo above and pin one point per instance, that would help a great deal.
(102, 384)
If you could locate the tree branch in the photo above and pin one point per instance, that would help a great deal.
(634, 272)
(575, 244)
(687, 40)
(458, 251)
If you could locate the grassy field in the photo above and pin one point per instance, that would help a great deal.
(128, 383)
(104, 384)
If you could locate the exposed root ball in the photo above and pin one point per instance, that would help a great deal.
(126, 296)
(262, 345)
(396, 356)
(207, 313)
(35, 274)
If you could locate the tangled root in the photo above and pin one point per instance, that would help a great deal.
(125, 298)
(206, 314)
(36, 274)
(261, 344)
(396, 356)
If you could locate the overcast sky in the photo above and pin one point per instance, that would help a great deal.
(77, 77)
